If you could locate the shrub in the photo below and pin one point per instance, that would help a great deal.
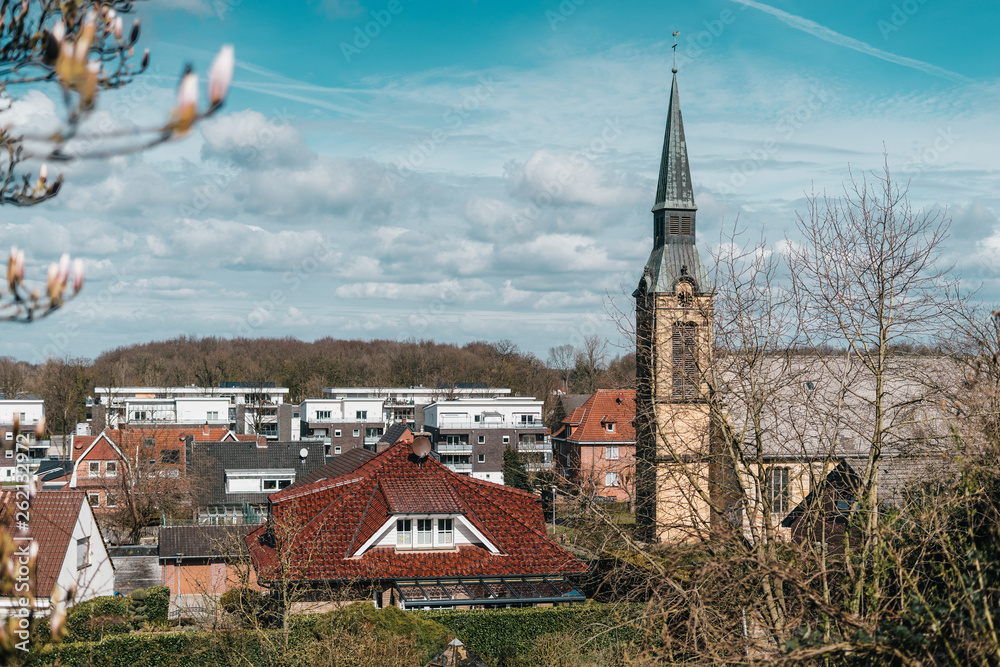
(251, 608)
(152, 603)
(93, 619)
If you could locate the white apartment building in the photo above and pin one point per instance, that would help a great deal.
(29, 411)
(244, 407)
(401, 404)
(343, 423)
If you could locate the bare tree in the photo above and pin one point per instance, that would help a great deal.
(562, 358)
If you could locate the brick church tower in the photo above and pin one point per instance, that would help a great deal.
(674, 313)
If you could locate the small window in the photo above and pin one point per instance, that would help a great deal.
(9, 453)
(446, 533)
(425, 532)
(111, 469)
(8, 436)
(404, 536)
(110, 500)
(361, 414)
(506, 440)
(357, 432)
(478, 418)
(170, 456)
(482, 458)
(295, 415)
(95, 499)
(270, 484)
(611, 452)
(147, 441)
(82, 552)
(336, 433)
(336, 450)
(322, 414)
(482, 440)
(610, 479)
(94, 469)
(610, 427)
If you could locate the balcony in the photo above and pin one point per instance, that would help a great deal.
(454, 448)
(459, 467)
(371, 441)
(463, 423)
(533, 466)
(540, 446)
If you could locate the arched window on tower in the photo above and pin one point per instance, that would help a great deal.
(684, 360)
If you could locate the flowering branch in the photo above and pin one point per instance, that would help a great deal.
(26, 305)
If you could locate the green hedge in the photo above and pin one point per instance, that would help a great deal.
(499, 636)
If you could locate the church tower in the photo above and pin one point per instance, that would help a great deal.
(673, 354)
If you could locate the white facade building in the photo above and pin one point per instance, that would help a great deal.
(502, 412)
(244, 407)
(400, 403)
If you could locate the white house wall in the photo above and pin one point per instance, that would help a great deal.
(33, 410)
(98, 578)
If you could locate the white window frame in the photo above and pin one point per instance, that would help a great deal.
(506, 440)
(404, 533)
(336, 433)
(482, 440)
(424, 534)
(445, 533)
(93, 469)
(82, 553)
(361, 415)
(609, 427)
(111, 468)
(611, 452)
(337, 449)
(324, 414)
(94, 498)
(611, 479)
(482, 458)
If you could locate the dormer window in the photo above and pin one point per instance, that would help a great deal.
(425, 533)
(610, 427)
(445, 532)
(404, 534)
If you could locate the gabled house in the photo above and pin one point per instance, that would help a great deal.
(72, 554)
(406, 530)
(596, 445)
(232, 480)
(200, 563)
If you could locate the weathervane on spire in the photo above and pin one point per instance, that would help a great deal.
(676, 32)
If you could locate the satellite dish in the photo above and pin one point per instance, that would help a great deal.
(421, 447)
(303, 452)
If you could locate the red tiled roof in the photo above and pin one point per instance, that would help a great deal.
(325, 523)
(606, 406)
(52, 517)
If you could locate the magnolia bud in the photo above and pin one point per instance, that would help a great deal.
(145, 59)
(134, 37)
(118, 28)
(220, 76)
(78, 276)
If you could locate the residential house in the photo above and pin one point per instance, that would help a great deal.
(403, 529)
(242, 407)
(406, 404)
(72, 555)
(342, 423)
(30, 412)
(200, 563)
(596, 445)
(470, 435)
(232, 480)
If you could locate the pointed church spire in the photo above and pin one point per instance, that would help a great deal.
(673, 190)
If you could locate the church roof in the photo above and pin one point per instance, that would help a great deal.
(673, 190)
(671, 261)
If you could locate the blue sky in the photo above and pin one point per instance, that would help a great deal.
(399, 184)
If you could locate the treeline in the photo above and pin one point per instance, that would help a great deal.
(305, 368)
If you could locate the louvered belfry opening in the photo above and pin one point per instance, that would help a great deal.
(684, 362)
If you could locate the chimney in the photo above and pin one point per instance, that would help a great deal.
(204, 430)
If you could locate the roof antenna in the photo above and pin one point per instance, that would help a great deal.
(674, 47)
